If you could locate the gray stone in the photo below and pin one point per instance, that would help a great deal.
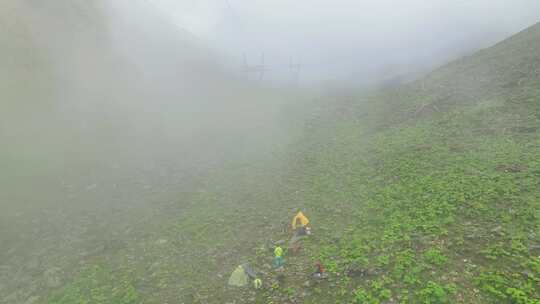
(11, 298)
(33, 264)
(497, 229)
(32, 300)
(161, 241)
(52, 277)
(280, 242)
(305, 294)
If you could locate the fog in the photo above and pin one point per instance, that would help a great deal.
(110, 115)
(115, 114)
(358, 42)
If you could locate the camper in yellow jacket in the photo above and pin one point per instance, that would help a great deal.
(300, 224)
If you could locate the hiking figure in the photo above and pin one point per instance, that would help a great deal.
(278, 257)
(278, 262)
(278, 252)
(300, 225)
(301, 229)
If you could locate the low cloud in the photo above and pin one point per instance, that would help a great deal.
(349, 40)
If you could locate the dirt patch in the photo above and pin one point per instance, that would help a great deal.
(511, 168)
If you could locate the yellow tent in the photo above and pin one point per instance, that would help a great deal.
(238, 277)
(299, 220)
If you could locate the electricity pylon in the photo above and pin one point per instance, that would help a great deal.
(295, 70)
(259, 69)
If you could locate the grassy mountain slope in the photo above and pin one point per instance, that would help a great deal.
(430, 193)
(423, 194)
(109, 115)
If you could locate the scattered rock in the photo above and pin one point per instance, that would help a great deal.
(357, 271)
(154, 266)
(13, 297)
(511, 168)
(96, 250)
(11, 251)
(33, 264)
(161, 241)
(32, 300)
(497, 229)
(527, 274)
(534, 247)
(52, 277)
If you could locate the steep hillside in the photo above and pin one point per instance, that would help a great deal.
(424, 194)
(509, 68)
(108, 116)
(430, 193)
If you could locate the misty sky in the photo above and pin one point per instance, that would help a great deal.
(349, 39)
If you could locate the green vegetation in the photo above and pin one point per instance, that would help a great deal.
(441, 197)
(98, 285)
(425, 194)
